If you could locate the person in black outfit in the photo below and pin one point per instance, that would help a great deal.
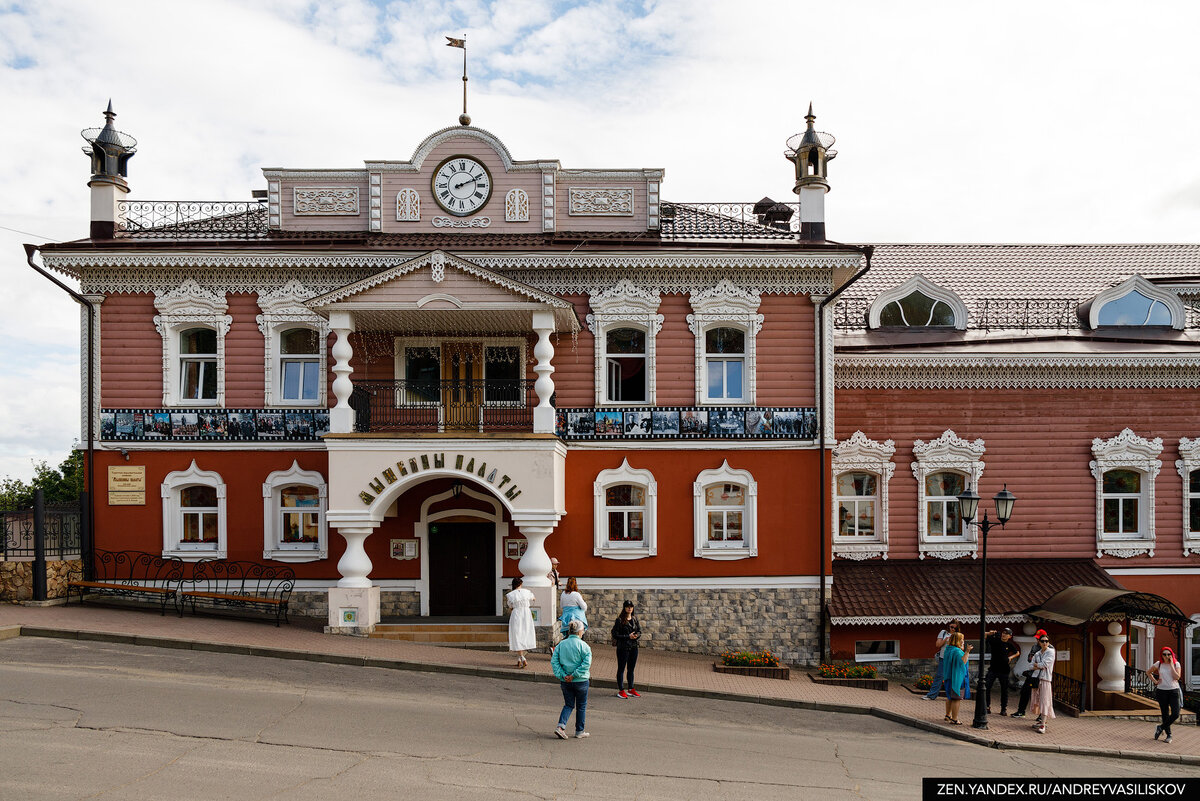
(626, 632)
(1001, 653)
(1031, 681)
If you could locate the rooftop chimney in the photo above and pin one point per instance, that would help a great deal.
(110, 151)
(810, 152)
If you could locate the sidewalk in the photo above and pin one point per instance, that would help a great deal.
(657, 671)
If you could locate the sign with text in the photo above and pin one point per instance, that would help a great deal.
(126, 485)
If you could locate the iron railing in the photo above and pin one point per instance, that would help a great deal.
(200, 218)
(731, 221)
(464, 405)
(1068, 692)
(63, 527)
(1139, 681)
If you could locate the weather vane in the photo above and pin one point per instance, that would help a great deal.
(464, 118)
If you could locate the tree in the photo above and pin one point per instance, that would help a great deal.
(60, 485)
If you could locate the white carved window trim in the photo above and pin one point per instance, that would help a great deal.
(947, 453)
(189, 306)
(1189, 450)
(1138, 284)
(273, 547)
(624, 305)
(283, 309)
(725, 305)
(516, 206)
(919, 283)
(860, 454)
(725, 475)
(1127, 451)
(172, 511)
(637, 477)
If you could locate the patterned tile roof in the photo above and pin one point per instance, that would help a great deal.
(942, 589)
(1074, 272)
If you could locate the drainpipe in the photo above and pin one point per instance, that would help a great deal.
(866, 251)
(90, 512)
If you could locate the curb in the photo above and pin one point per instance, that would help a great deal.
(512, 674)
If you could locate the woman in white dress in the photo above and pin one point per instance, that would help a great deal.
(521, 637)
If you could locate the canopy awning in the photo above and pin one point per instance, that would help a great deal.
(1077, 605)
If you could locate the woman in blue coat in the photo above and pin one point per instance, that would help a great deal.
(954, 664)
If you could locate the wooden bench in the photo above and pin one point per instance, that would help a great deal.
(130, 574)
(225, 585)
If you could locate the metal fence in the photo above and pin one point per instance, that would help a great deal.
(476, 405)
(63, 527)
(199, 218)
(1139, 681)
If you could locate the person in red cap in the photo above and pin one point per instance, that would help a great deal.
(1167, 673)
(1031, 681)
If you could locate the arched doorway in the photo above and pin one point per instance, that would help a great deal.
(461, 530)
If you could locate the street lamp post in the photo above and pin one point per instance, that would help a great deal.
(968, 505)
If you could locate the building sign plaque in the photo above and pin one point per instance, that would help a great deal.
(127, 485)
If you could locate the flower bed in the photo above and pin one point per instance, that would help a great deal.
(850, 675)
(752, 663)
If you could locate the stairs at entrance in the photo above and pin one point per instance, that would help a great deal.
(486, 636)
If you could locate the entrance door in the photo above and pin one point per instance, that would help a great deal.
(462, 568)
(462, 374)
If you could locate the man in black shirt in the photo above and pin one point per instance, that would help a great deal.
(1001, 653)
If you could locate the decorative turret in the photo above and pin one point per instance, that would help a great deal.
(110, 151)
(810, 152)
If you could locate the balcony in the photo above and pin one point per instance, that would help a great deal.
(452, 406)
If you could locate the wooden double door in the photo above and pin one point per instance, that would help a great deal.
(462, 568)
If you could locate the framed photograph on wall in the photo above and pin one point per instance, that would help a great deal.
(514, 547)
(405, 549)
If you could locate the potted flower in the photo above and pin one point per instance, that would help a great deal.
(752, 663)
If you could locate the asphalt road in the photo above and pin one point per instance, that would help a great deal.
(97, 721)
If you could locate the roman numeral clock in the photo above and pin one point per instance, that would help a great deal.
(462, 185)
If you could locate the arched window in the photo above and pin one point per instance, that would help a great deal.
(943, 469)
(942, 519)
(625, 501)
(725, 323)
(918, 303)
(294, 503)
(1125, 468)
(192, 323)
(725, 364)
(726, 514)
(294, 344)
(624, 323)
(1189, 470)
(194, 515)
(1134, 308)
(198, 364)
(299, 365)
(863, 468)
(858, 502)
(625, 365)
(1135, 303)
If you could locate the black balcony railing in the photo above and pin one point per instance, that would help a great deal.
(416, 406)
(1139, 681)
(200, 218)
(1068, 692)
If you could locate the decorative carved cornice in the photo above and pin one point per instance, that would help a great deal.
(327, 201)
(1126, 449)
(190, 299)
(905, 371)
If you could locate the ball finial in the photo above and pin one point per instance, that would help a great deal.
(464, 119)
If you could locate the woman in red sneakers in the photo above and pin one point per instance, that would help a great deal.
(626, 632)
(1167, 673)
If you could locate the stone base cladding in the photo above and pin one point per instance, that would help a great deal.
(702, 621)
(315, 603)
(16, 579)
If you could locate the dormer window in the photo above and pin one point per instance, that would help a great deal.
(918, 304)
(1135, 303)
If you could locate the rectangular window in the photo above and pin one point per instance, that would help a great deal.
(300, 380)
(422, 375)
(725, 379)
(876, 650)
(199, 379)
(502, 375)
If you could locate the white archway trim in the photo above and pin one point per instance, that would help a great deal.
(421, 532)
(1138, 284)
(725, 305)
(190, 306)
(748, 546)
(1130, 452)
(274, 546)
(624, 305)
(860, 453)
(947, 453)
(170, 489)
(919, 283)
(1189, 450)
(283, 309)
(603, 546)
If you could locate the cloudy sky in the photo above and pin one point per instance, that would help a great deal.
(972, 122)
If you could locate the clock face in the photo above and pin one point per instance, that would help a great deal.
(462, 185)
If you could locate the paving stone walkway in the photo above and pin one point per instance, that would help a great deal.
(657, 671)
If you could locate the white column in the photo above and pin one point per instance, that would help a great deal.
(1111, 669)
(341, 416)
(543, 351)
(1026, 643)
(354, 602)
(534, 566)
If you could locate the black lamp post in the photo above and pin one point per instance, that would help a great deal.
(968, 505)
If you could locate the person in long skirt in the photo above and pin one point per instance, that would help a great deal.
(521, 636)
(1042, 700)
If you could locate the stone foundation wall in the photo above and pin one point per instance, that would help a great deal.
(16, 579)
(315, 603)
(708, 621)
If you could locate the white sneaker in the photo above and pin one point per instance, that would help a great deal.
(560, 733)
(1168, 739)
(579, 735)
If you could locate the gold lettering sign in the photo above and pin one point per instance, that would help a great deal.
(127, 485)
(375, 485)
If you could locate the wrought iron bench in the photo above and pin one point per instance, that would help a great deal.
(130, 574)
(224, 585)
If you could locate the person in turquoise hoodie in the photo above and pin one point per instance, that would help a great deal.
(572, 663)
